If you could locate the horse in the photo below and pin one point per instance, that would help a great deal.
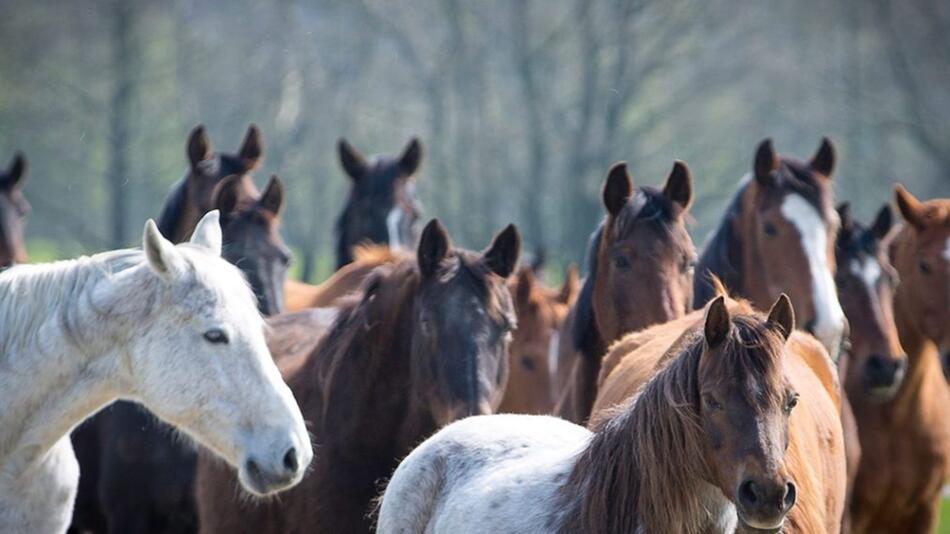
(906, 461)
(13, 211)
(150, 325)
(778, 236)
(709, 429)
(382, 206)
(300, 296)
(192, 196)
(135, 475)
(541, 312)
(812, 455)
(639, 272)
(424, 343)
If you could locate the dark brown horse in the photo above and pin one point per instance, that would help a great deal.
(541, 312)
(382, 206)
(191, 197)
(425, 343)
(778, 236)
(901, 476)
(13, 211)
(639, 272)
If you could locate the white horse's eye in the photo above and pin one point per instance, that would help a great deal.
(216, 336)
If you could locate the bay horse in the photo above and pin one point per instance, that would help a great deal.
(639, 272)
(150, 325)
(541, 312)
(708, 429)
(366, 258)
(811, 454)
(423, 344)
(778, 235)
(382, 206)
(13, 211)
(191, 196)
(905, 472)
(136, 477)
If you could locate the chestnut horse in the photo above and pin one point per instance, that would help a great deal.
(778, 235)
(192, 196)
(808, 454)
(639, 272)
(301, 296)
(382, 206)
(13, 211)
(709, 429)
(424, 343)
(907, 463)
(541, 312)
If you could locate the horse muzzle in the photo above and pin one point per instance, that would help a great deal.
(762, 505)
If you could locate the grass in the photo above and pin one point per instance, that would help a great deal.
(944, 526)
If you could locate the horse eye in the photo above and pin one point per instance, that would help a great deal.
(286, 258)
(711, 403)
(791, 402)
(769, 229)
(924, 268)
(216, 336)
(621, 262)
(689, 264)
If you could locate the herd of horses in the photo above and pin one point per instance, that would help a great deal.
(656, 394)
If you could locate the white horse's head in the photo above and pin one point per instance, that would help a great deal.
(196, 357)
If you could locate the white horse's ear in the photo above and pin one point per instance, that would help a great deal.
(160, 252)
(208, 232)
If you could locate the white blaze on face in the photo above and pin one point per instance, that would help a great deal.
(868, 271)
(392, 226)
(829, 318)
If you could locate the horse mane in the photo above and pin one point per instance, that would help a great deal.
(642, 468)
(721, 253)
(584, 326)
(173, 208)
(373, 254)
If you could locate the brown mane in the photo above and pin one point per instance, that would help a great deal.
(367, 257)
(648, 453)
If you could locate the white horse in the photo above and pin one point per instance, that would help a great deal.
(175, 328)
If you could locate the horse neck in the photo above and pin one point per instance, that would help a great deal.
(641, 460)
(922, 359)
(54, 375)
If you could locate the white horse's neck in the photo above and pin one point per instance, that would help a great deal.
(58, 364)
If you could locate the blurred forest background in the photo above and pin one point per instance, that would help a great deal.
(521, 104)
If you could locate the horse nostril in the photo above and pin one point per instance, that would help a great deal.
(747, 494)
(790, 494)
(290, 460)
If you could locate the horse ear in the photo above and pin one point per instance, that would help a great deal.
(353, 162)
(225, 196)
(17, 171)
(910, 208)
(524, 285)
(766, 160)
(782, 316)
(718, 322)
(679, 187)
(617, 188)
(411, 157)
(433, 247)
(208, 232)
(160, 253)
(571, 286)
(883, 222)
(502, 255)
(844, 215)
(824, 160)
(199, 146)
(272, 199)
(252, 149)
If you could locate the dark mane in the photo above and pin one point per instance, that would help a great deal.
(721, 255)
(647, 205)
(643, 466)
(173, 208)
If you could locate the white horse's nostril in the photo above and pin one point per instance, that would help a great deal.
(290, 460)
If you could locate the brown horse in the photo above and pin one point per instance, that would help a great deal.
(300, 296)
(13, 211)
(191, 197)
(904, 468)
(541, 312)
(382, 206)
(639, 272)
(748, 377)
(778, 236)
(425, 343)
